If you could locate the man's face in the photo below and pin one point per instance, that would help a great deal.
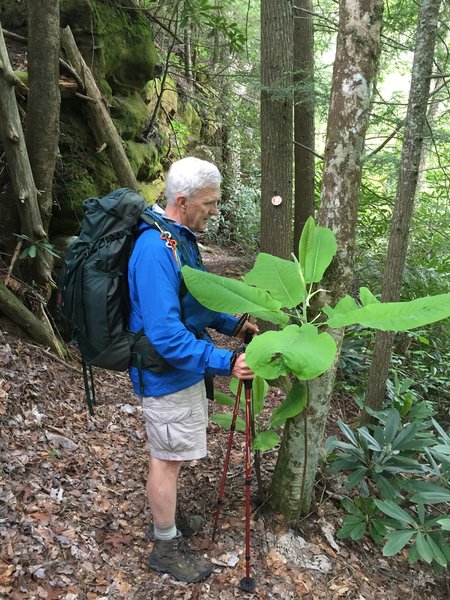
(198, 209)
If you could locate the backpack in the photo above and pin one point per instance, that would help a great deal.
(93, 292)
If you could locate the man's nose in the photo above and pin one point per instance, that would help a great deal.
(214, 209)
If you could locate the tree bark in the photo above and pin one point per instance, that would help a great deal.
(22, 182)
(98, 116)
(276, 127)
(406, 192)
(304, 131)
(25, 319)
(43, 101)
(357, 53)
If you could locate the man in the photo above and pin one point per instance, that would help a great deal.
(174, 401)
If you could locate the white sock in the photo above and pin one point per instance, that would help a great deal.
(166, 533)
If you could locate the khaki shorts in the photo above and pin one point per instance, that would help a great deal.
(176, 423)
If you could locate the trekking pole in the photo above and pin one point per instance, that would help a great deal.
(247, 340)
(227, 460)
(247, 583)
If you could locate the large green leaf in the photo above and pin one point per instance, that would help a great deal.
(260, 388)
(300, 350)
(225, 419)
(392, 316)
(316, 250)
(291, 406)
(223, 399)
(233, 296)
(279, 277)
(266, 440)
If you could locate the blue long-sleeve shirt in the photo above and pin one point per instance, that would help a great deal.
(172, 320)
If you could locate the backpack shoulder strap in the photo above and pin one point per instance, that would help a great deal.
(169, 235)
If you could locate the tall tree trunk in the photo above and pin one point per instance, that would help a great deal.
(22, 182)
(304, 130)
(357, 52)
(276, 127)
(406, 192)
(43, 98)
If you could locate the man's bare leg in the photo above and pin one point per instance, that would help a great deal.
(162, 490)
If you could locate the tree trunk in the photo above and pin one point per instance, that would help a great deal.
(43, 98)
(304, 131)
(98, 116)
(22, 182)
(406, 192)
(276, 127)
(25, 319)
(357, 52)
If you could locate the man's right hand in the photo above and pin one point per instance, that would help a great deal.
(241, 370)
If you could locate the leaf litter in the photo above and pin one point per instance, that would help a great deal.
(73, 512)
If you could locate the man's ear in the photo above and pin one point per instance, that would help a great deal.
(181, 202)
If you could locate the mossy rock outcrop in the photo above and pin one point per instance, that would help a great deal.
(117, 44)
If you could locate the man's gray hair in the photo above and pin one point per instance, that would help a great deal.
(190, 175)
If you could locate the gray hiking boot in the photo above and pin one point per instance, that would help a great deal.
(186, 524)
(176, 558)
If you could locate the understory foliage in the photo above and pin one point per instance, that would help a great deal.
(399, 470)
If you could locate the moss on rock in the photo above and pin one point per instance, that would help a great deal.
(144, 160)
(129, 114)
(117, 43)
(190, 117)
(152, 191)
(81, 172)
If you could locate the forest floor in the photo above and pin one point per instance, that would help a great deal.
(73, 513)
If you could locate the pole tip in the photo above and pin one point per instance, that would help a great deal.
(247, 584)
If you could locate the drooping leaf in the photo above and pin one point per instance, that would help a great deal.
(234, 388)
(356, 476)
(445, 523)
(392, 425)
(354, 527)
(224, 420)
(279, 277)
(233, 296)
(372, 443)
(223, 399)
(366, 297)
(291, 406)
(393, 510)
(316, 250)
(405, 436)
(396, 541)
(347, 432)
(432, 497)
(392, 316)
(260, 388)
(346, 305)
(266, 440)
(423, 548)
(438, 555)
(300, 350)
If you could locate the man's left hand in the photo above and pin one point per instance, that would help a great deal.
(247, 327)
